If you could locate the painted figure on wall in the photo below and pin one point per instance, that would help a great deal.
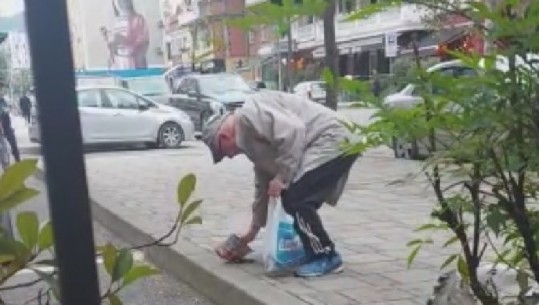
(128, 38)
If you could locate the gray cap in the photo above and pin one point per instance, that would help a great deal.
(209, 135)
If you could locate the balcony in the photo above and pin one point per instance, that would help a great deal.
(404, 18)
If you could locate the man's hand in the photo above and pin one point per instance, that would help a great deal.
(250, 235)
(275, 187)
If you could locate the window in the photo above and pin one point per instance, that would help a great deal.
(187, 85)
(169, 50)
(251, 36)
(144, 102)
(122, 99)
(346, 6)
(466, 72)
(89, 98)
(223, 83)
(446, 72)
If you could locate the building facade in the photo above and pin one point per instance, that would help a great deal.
(16, 45)
(181, 32)
(362, 43)
(197, 31)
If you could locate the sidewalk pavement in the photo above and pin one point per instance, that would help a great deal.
(134, 196)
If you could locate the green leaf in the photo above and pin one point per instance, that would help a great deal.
(17, 197)
(14, 248)
(419, 242)
(28, 226)
(496, 221)
(431, 226)
(412, 255)
(109, 258)
(192, 207)
(451, 241)
(13, 178)
(114, 300)
(186, 188)
(6, 258)
(195, 220)
(414, 242)
(137, 273)
(462, 267)
(124, 263)
(45, 239)
(449, 260)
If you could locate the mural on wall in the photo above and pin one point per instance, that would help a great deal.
(122, 34)
(128, 38)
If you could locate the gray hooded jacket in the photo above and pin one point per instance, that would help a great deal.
(286, 136)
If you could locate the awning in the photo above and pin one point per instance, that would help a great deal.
(430, 42)
(352, 46)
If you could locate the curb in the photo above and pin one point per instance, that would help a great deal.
(223, 284)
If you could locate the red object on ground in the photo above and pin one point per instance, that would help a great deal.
(233, 249)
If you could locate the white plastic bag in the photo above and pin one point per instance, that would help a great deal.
(282, 245)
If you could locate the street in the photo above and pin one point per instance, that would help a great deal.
(159, 289)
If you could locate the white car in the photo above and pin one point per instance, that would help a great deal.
(313, 90)
(408, 97)
(116, 115)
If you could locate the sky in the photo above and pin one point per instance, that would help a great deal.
(10, 7)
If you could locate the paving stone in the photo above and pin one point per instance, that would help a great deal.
(402, 302)
(419, 275)
(376, 294)
(336, 282)
(328, 299)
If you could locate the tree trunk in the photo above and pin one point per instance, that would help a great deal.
(332, 54)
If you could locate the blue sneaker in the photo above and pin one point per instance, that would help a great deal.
(321, 266)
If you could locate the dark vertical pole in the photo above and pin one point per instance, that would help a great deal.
(332, 53)
(48, 32)
(289, 67)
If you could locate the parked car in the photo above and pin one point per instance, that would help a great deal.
(155, 87)
(313, 90)
(408, 97)
(204, 95)
(117, 115)
(257, 85)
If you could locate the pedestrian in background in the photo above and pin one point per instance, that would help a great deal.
(295, 146)
(26, 106)
(5, 120)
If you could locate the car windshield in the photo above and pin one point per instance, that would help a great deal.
(149, 86)
(318, 86)
(217, 84)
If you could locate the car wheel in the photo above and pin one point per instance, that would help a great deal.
(405, 150)
(170, 135)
